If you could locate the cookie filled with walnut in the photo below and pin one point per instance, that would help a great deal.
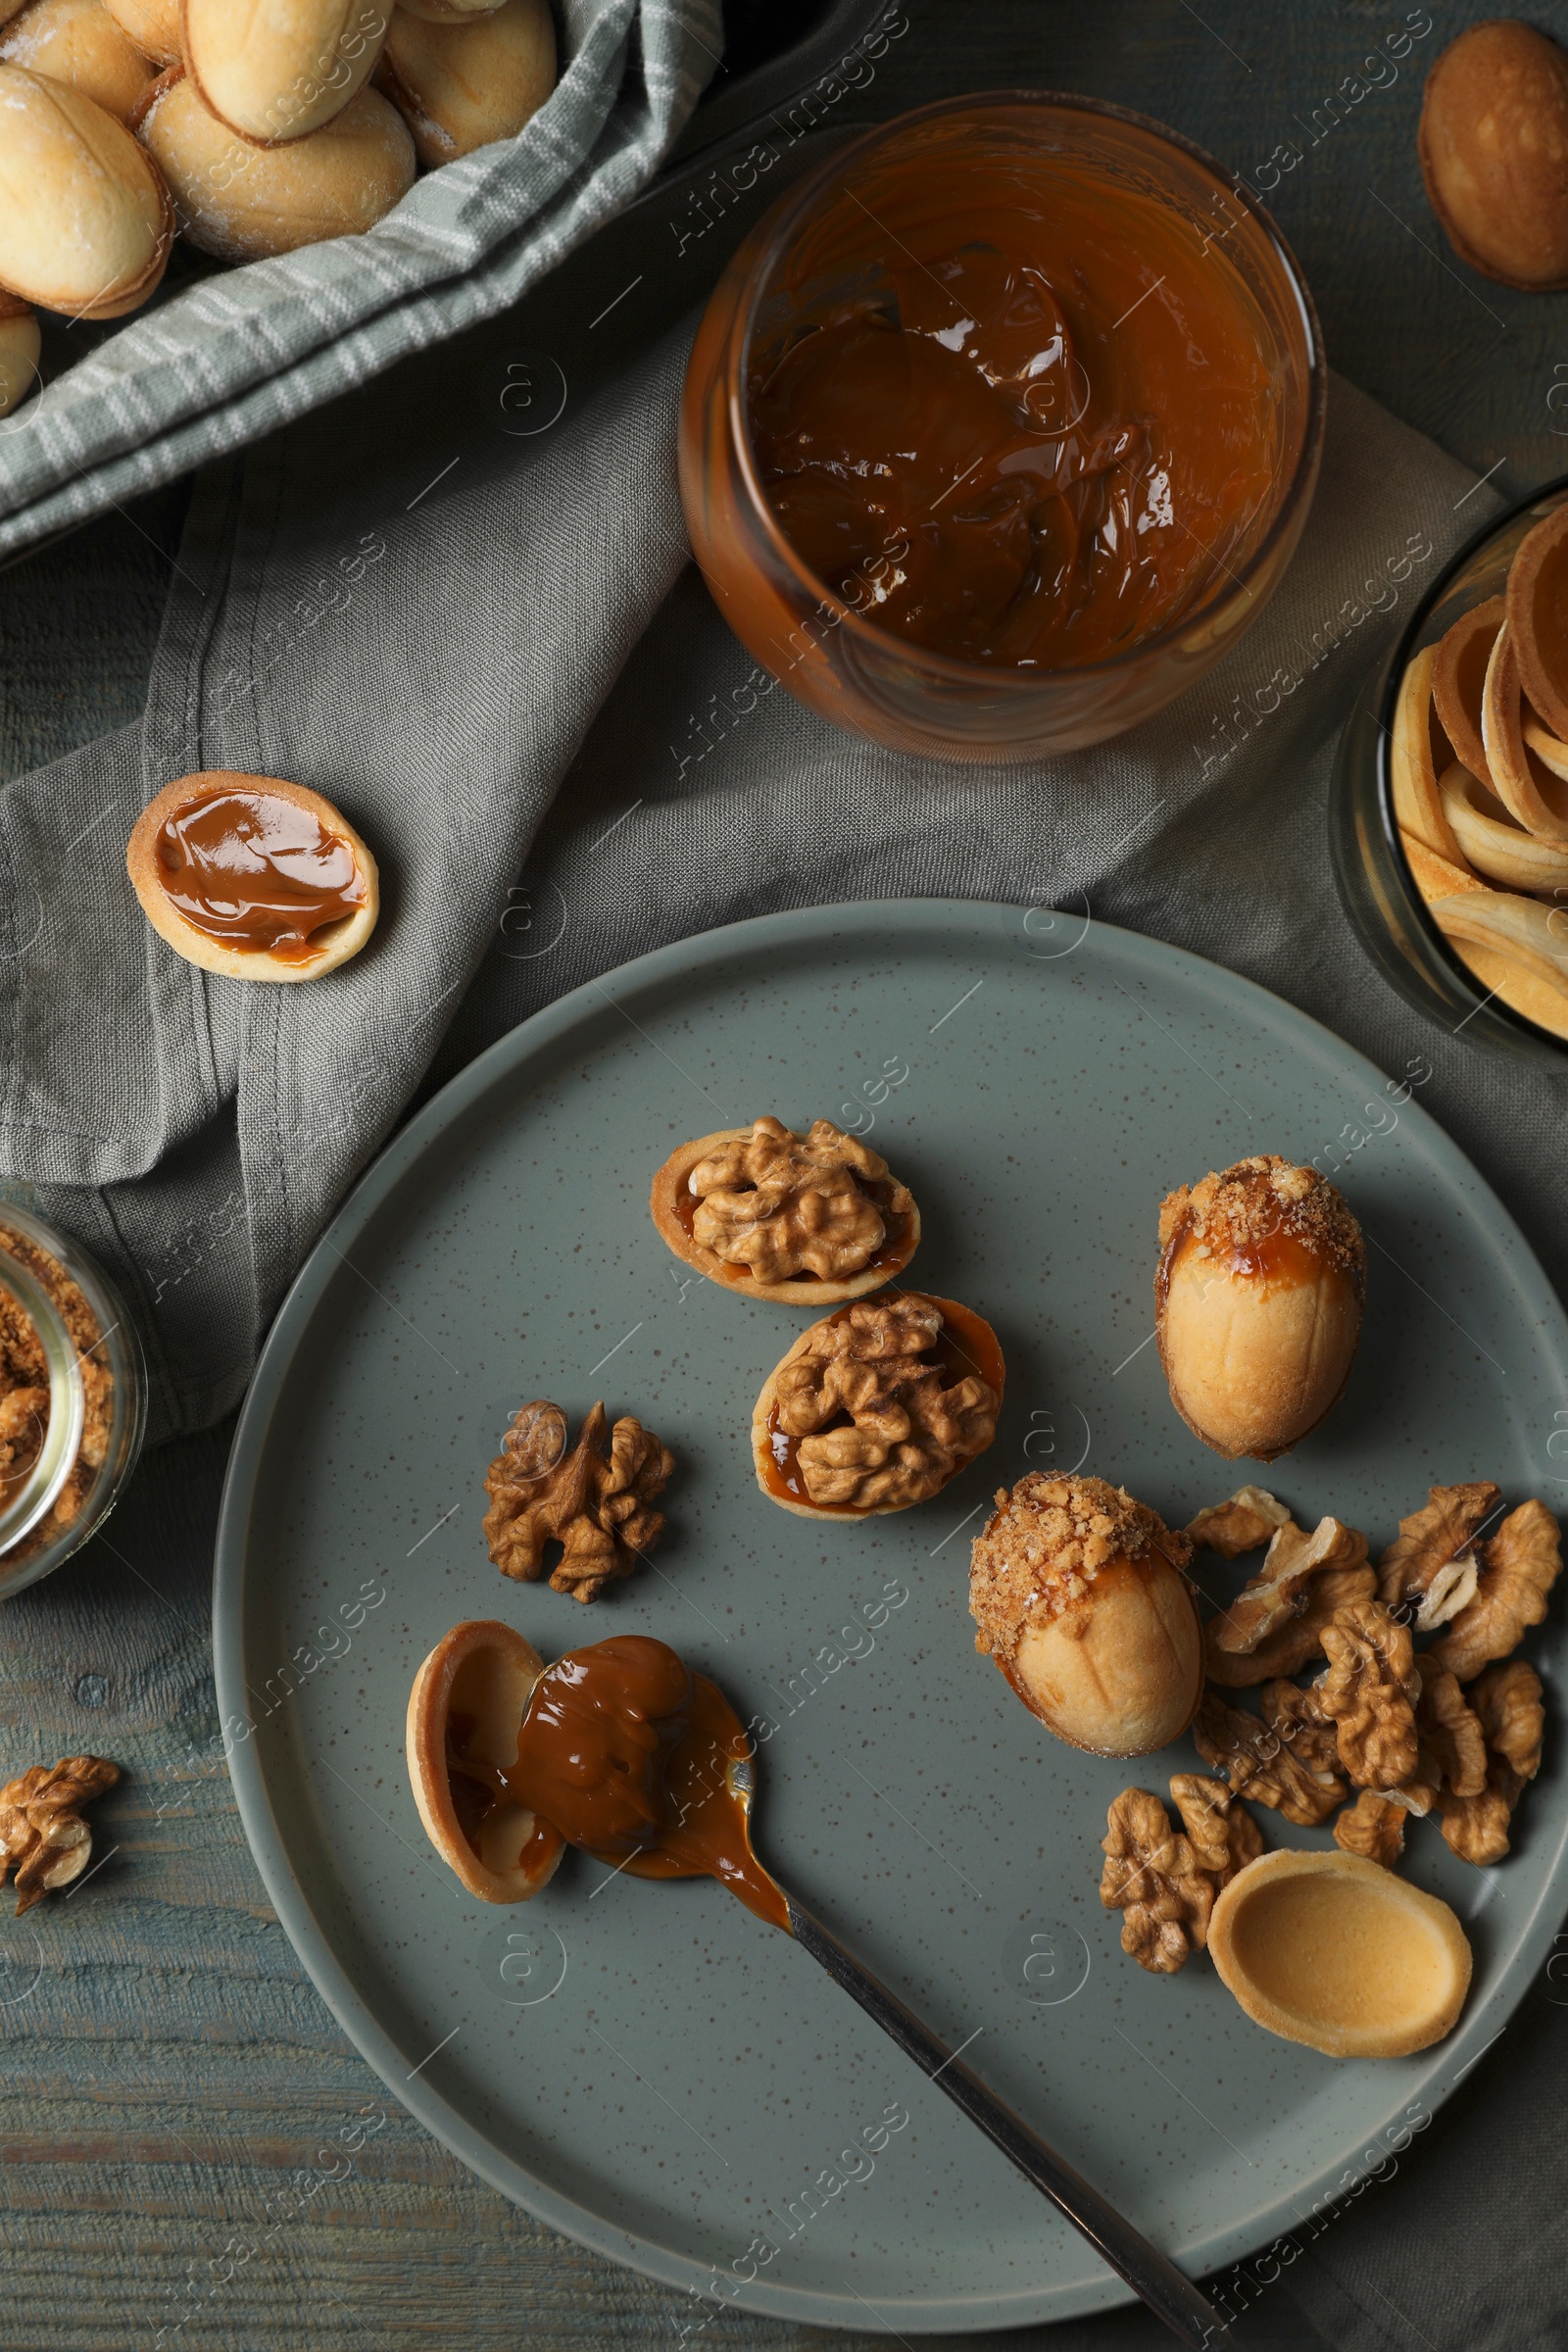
(1258, 1296)
(1081, 1601)
(877, 1407)
(807, 1219)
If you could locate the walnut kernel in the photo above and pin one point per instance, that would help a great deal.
(1154, 1880)
(42, 1832)
(1374, 1826)
(1518, 1568)
(596, 1502)
(1508, 1708)
(1244, 1522)
(1368, 1693)
(1262, 1762)
(1428, 1574)
(1275, 1623)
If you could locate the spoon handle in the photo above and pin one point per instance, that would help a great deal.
(1170, 2295)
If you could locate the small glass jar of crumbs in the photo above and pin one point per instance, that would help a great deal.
(72, 1398)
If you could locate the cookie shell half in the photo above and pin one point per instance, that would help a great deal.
(802, 1290)
(485, 1670)
(977, 1341)
(339, 941)
(1336, 1952)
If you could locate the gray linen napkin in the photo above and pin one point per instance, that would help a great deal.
(222, 362)
(492, 652)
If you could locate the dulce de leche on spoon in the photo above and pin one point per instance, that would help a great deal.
(621, 1749)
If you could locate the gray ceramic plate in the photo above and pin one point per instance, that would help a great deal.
(649, 2067)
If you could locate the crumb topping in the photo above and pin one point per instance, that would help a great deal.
(25, 1389)
(1248, 1204)
(1044, 1546)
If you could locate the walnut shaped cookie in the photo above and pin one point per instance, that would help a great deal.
(1258, 1296)
(1080, 1600)
(877, 1407)
(806, 1220)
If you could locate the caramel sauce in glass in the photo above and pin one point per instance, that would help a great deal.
(966, 1345)
(257, 871)
(1038, 432)
(625, 1751)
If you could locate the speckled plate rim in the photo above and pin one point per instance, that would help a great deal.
(925, 922)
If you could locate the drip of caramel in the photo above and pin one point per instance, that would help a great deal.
(627, 1753)
(256, 871)
(1280, 1259)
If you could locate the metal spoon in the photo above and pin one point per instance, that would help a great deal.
(1169, 2294)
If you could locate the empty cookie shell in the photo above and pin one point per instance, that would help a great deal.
(1521, 780)
(1337, 1952)
(1419, 756)
(1258, 1296)
(464, 1709)
(1511, 942)
(253, 877)
(1537, 601)
(1458, 681)
(1497, 845)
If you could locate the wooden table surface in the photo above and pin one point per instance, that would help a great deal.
(171, 2085)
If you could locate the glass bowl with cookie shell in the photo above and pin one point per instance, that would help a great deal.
(1448, 809)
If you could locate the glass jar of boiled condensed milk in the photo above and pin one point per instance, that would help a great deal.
(72, 1398)
(1001, 426)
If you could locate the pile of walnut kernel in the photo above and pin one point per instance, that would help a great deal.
(1382, 1731)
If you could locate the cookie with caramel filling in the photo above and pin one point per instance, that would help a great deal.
(877, 1407)
(253, 877)
(1258, 1296)
(810, 1219)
